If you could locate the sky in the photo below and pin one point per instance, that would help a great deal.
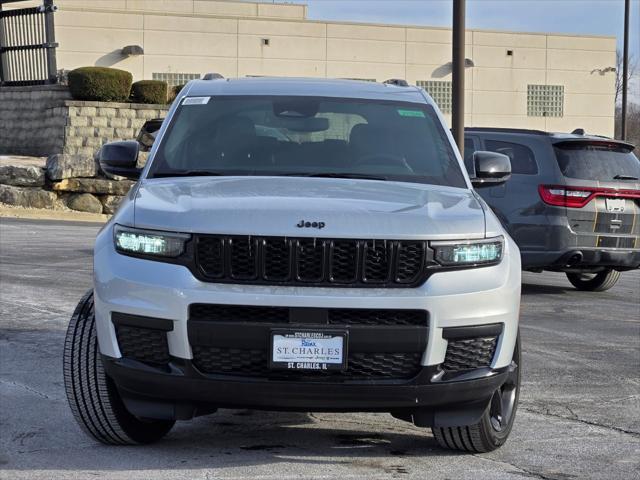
(589, 17)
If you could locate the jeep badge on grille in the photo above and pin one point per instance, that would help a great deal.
(303, 224)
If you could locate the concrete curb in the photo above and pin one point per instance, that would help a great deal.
(7, 211)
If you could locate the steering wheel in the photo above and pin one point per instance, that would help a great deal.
(384, 159)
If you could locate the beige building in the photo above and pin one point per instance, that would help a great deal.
(530, 80)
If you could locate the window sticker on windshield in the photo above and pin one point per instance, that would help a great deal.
(196, 101)
(411, 113)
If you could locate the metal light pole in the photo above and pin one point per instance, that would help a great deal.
(4, 71)
(625, 70)
(50, 41)
(457, 110)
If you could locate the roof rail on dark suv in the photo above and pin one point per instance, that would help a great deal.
(398, 82)
(212, 76)
(507, 130)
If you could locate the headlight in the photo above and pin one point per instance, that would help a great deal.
(473, 252)
(134, 241)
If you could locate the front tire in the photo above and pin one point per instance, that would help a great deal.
(495, 425)
(594, 282)
(92, 395)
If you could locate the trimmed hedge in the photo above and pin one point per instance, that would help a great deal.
(149, 91)
(174, 91)
(101, 84)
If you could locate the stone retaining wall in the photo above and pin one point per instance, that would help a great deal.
(89, 125)
(43, 120)
(32, 120)
(59, 182)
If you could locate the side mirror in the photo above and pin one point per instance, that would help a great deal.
(120, 158)
(148, 132)
(492, 168)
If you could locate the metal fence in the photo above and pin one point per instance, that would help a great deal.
(27, 45)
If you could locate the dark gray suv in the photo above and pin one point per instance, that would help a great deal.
(571, 204)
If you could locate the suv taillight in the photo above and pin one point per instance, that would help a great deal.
(578, 197)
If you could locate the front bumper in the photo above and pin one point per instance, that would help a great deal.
(479, 296)
(463, 298)
(181, 392)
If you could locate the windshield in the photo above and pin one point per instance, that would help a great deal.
(307, 136)
(597, 161)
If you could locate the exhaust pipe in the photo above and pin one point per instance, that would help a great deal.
(573, 258)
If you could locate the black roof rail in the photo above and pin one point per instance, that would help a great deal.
(212, 76)
(507, 130)
(398, 82)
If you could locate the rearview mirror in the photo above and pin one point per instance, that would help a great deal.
(492, 168)
(148, 133)
(306, 125)
(120, 158)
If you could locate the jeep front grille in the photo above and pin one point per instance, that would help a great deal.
(311, 261)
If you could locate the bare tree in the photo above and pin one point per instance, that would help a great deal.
(631, 73)
(633, 124)
(633, 107)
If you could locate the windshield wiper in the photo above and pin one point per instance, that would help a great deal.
(188, 173)
(625, 177)
(361, 176)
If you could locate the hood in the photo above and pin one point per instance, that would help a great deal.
(275, 206)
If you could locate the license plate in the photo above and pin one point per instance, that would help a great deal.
(615, 204)
(308, 350)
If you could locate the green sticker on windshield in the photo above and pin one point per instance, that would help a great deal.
(411, 113)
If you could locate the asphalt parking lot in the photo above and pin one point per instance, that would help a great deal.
(579, 414)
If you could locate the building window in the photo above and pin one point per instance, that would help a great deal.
(545, 100)
(440, 91)
(174, 79)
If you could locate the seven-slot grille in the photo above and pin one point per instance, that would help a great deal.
(311, 261)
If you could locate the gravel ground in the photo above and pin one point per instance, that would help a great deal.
(579, 414)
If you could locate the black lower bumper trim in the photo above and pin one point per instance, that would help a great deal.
(488, 330)
(181, 384)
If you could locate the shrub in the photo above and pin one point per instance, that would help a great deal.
(100, 83)
(149, 91)
(174, 91)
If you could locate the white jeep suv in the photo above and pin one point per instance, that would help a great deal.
(300, 244)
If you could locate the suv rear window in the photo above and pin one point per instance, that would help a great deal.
(597, 161)
(284, 135)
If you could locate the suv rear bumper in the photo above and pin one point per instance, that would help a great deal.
(549, 239)
(181, 392)
(576, 258)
